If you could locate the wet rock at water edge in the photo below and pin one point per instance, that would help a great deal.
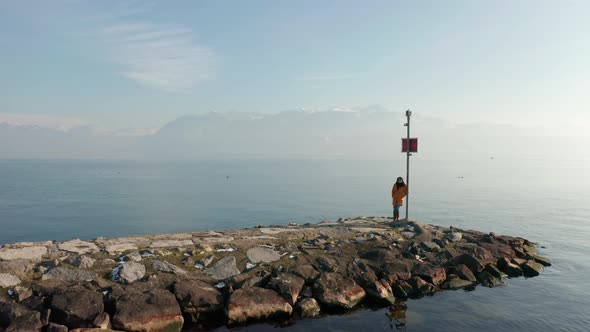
(197, 297)
(454, 282)
(511, 269)
(337, 292)
(307, 308)
(531, 269)
(254, 304)
(152, 311)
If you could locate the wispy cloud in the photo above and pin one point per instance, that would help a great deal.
(161, 56)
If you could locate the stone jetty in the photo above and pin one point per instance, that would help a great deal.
(203, 280)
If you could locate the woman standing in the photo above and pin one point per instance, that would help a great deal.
(398, 192)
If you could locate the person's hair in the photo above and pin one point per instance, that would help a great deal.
(397, 184)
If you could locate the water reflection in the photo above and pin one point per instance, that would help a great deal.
(397, 315)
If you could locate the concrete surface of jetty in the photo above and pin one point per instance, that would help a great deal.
(204, 280)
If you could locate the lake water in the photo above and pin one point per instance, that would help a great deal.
(544, 200)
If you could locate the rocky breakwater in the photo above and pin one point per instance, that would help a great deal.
(207, 279)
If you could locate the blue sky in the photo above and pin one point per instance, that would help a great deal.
(143, 63)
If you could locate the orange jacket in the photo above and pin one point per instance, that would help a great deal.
(398, 194)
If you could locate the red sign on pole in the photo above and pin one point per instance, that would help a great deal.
(413, 145)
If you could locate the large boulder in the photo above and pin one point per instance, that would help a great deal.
(508, 267)
(306, 271)
(151, 311)
(380, 291)
(128, 272)
(84, 262)
(34, 253)
(223, 269)
(262, 255)
(431, 273)
(541, 260)
(18, 267)
(287, 285)
(166, 267)
(69, 275)
(255, 303)
(78, 247)
(29, 321)
(400, 269)
(421, 287)
(197, 297)
(470, 261)
(335, 291)
(531, 269)
(307, 307)
(9, 311)
(463, 272)
(8, 280)
(454, 282)
(76, 308)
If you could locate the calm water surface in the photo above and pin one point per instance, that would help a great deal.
(544, 200)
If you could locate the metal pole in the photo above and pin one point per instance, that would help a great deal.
(408, 114)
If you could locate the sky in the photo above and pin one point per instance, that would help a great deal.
(141, 64)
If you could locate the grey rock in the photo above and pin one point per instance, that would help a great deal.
(152, 311)
(454, 237)
(102, 320)
(223, 269)
(541, 260)
(307, 272)
(164, 266)
(20, 293)
(488, 279)
(307, 308)
(454, 282)
(128, 272)
(197, 297)
(70, 275)
(52, 327)
(28, 321)
(116, 248)
(207, 260)
(262, 255)
(531, 269)
(84, 262)
(34, 253)
(430, 246)
(8, 280)
(336, 291)
(78, 247)
(171, 243)
(20, 267)
(76, 308)
(287, 285)
(133, 256)
(254, 303)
